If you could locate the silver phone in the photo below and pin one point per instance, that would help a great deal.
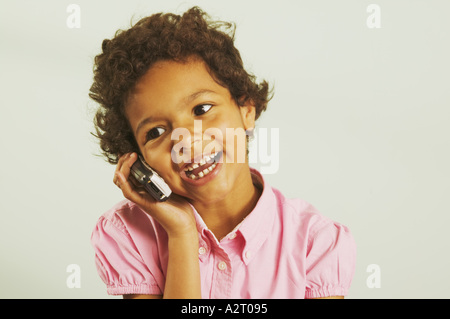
(152, 182)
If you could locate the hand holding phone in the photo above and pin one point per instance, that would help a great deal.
(172, 211)
(152, 182)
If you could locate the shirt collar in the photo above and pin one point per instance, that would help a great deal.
(255, 228)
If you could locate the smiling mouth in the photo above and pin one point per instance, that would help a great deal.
(207, 164)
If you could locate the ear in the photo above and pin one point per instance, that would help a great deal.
(248, 113)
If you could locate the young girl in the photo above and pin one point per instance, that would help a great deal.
(224, 232)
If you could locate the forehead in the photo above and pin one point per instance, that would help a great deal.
(167, 85)
(171, 80)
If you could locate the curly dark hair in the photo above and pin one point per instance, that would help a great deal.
(131, 53)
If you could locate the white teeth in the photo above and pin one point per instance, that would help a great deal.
(206, 171)
(203, 173)
(203, 161)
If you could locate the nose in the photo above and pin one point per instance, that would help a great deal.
(186, 141)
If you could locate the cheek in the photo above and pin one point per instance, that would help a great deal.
(162, 163)
(230, 136)
(159, 159)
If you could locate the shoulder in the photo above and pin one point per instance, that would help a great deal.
(309, 224)
(126, 254)
(122, 211)
(328, 248)
(301, 214)
(126, 216)
(126, 226)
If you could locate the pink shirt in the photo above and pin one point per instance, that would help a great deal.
(283, 249)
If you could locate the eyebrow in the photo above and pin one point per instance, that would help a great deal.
(195, 95)
(143, 123)
(186, 100)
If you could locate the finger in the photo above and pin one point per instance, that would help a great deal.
(134, 182)
(126, 164)
(119, 166)
(138, 196)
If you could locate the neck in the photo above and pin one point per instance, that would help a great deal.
(222, 216)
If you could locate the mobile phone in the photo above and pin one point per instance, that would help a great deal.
(152, 182)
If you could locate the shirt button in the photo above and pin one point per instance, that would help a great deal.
(202, 250)
(222, 265)
(248, 254)
(232, 236)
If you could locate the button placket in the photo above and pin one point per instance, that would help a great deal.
(248, 254)
(222, 278)
(202, 250)
(222, 265)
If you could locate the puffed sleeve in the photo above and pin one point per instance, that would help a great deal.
(118, 261)
(330, 261)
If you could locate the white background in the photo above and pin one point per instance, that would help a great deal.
(363, 116)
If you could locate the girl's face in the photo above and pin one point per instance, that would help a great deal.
(168, 99)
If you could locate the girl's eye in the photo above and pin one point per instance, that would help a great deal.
(202, 109)
(154, 133)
